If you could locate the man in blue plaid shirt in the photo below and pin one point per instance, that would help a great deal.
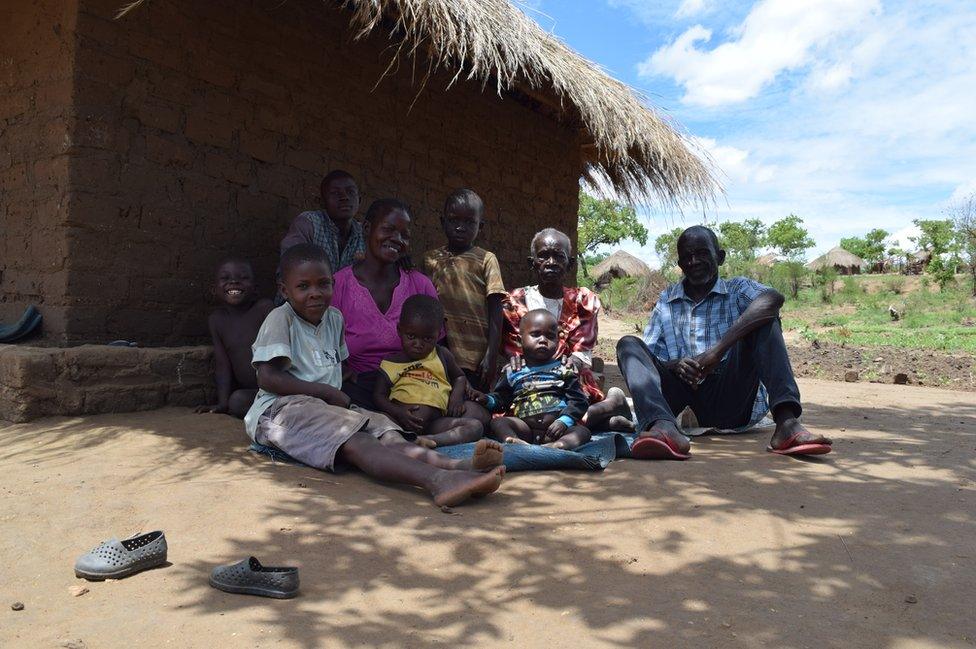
(715, 345)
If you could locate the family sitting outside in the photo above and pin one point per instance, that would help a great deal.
(373, 363)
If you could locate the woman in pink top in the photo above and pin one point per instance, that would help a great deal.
(371, 292)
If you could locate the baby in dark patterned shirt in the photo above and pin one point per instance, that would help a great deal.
(543, 398)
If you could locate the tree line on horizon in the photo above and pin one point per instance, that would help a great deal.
(943, 246)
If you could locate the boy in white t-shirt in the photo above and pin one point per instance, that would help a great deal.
(299, 409)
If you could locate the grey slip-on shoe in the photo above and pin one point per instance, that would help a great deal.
(249, 577)
(115, 559)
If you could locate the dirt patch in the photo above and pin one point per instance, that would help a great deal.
(832, 361)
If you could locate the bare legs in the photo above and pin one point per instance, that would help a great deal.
(513, 430)
(449, 482)
(445, 431)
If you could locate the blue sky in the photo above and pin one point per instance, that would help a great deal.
(852, 114)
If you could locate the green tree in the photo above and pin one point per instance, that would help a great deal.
(789, 237)
(605, 222)
(938, 236)
(666, 247)
(742, 240)
(963, 215)
(870, 247)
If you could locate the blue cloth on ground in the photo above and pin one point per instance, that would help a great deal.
(595, 455)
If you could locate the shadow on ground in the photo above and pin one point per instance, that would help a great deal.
(871, 546)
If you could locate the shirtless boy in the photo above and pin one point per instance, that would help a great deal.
(234, 326)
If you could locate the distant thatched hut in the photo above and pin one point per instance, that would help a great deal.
(843, 261)
(619, 264)
(916, 262)
(136, 152)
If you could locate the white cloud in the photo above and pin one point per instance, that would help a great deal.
(903, 238)
(691, 8)
(963, 191)
(830, 78)
(777, 36)
(734, 163)
(875, 131)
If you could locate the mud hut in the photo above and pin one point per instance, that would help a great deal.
(619, 264)
(136, 151)
(844, 262)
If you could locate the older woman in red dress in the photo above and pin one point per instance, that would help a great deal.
(576, 309)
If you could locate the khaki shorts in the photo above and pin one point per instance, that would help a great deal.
(312, 431)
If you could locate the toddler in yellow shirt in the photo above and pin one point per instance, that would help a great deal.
(422, 387)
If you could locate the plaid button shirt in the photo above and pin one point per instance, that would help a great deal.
(679, 328)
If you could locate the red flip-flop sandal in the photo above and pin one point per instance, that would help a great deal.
(652, 448)
(792, 448)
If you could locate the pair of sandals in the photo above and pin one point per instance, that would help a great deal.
(115, 559)
(652, 448)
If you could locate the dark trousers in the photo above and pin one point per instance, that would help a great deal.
(725, 398)
(361, 392)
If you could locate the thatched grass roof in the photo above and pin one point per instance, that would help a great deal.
(627, 145)
(619, 264)
(836, 257)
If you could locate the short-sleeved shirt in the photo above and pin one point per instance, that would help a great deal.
(316, 227)
(421, 382)
(313, 353)
(371, 335)
(680, 328)
(464, 281)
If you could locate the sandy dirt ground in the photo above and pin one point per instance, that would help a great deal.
(872, 546)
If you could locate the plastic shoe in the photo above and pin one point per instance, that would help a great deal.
(115, 559)
(249, 577)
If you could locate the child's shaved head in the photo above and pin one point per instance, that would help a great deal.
(335, 174)
(301, 253)
(464, 199)
(237, 261)
(537, 317)
(423, 309)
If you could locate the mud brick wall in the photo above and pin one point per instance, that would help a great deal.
(36, 73)
(91, 379)
(202, 128)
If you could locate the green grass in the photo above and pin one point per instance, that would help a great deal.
(857, 313)
(930, 319)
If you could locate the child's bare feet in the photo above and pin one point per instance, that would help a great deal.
(512, 439)
(487, 455)
(425, 441)
(454, 487)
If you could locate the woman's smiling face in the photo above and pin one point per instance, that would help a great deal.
(388, 237)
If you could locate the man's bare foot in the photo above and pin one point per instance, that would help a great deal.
(454, 487)
(487, 455)
(425, 441)
(620, 424)
(791, 431)
(667, 430)
(618, 402)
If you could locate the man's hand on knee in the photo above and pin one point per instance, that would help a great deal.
(689, 370)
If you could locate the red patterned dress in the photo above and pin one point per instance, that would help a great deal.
(577, 318)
